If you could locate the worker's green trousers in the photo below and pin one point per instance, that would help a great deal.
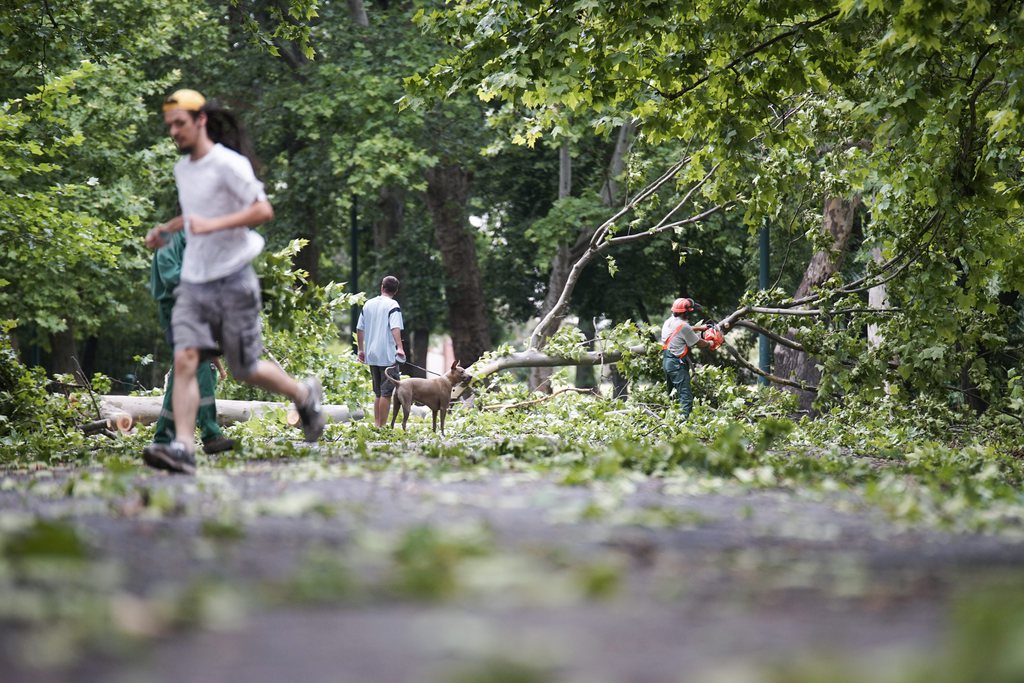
(677, 374)
(206, 419)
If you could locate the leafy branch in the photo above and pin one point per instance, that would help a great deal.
(799, 28)
(603, 239)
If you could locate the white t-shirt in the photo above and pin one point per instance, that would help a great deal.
(380, 315)
(220, 183)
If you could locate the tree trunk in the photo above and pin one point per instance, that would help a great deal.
(390, 216)
(63, 353)
(540, 378)
(610, 189)
(357, 11)
(531, 358)
(387, 225)
(419, 346)
(620, 385)
(447, 192)
(586, 378)
(89, 356)
(838, 224)
(308, 258)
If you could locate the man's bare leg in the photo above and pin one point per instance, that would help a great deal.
(308, 395)
(271, 377)
(185, 398)
(380, 411)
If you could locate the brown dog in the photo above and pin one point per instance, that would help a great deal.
(435, 394)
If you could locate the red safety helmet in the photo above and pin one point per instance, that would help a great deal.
(682, 305)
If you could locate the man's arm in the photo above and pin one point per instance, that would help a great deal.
(260, 211)
(155, 237)
(360, 345)
(693, 338)
(397, 334)
(221, 372)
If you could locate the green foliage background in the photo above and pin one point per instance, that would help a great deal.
(788, 102)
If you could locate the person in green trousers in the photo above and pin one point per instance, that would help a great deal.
(164, 277)
(678, 337)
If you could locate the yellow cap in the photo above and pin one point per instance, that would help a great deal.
(189, 100)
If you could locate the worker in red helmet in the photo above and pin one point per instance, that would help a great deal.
(677, 338)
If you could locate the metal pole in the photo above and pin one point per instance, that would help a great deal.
(354, 280)
(764, 344)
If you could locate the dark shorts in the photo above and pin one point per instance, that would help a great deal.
(382, 386)
(221, 317)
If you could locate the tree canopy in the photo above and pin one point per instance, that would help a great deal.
(913, 109)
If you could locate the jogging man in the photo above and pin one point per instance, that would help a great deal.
(379, 341)
(218, 301)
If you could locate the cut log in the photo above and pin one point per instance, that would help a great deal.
(146, 409)
(120, 420)
(111, 422)
(120, 413)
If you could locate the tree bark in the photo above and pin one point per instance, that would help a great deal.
(419, 346)
(839, 214)
(561, 264)
(970, 389)
(586, 378)
(388, 223)
(308, 258)
(358, 13)
(620, 384)
(89, 356)
(390, 216)
(447, 193)
(63, 352)
(624, 140)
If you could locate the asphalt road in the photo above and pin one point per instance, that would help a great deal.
(336, 570)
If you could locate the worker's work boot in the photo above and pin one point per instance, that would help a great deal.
(218, 444)
(173, 457)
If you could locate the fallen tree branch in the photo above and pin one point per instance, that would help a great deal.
(546, 397)
(784, 311)
(532, 358)
(777, 338)
(731, 320)
(768, 376)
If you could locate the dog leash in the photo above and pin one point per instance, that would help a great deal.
(413, 365)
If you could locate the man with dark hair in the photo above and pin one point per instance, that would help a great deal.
(218, 300)
(379, 340)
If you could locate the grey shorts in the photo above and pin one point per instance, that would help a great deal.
(221, 317)
(382, 386)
